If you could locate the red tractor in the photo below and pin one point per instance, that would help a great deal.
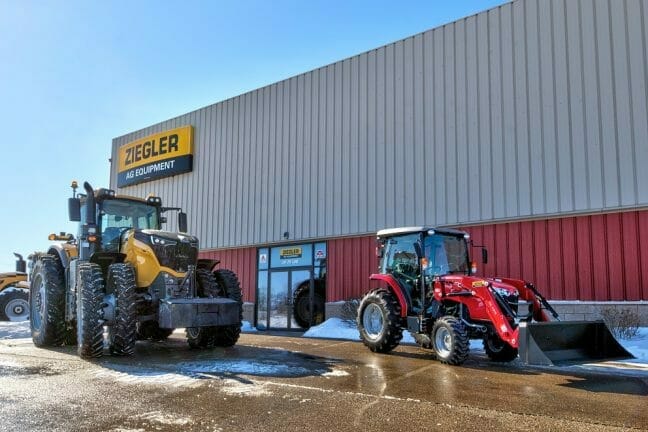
(429, 288)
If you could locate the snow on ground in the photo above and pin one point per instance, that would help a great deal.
(14, 330)
(336, 328)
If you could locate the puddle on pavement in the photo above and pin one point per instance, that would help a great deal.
(243, 369)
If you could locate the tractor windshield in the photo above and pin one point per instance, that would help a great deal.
(117, 216)
(446, 254)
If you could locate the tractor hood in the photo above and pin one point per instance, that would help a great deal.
(173, 250)
(165, 237)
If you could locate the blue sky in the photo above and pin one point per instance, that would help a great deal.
(76, 74)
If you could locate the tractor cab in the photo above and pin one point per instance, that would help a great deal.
(118, 215)
(442, 252)
(106, 218)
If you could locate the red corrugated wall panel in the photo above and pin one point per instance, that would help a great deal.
(243, 263)
(599, 257)
(350, 262)
(642, 229)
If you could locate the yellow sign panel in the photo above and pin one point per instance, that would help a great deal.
(292, 252)
(155, 156)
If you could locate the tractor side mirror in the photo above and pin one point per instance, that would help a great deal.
(74, 209)
(182, 222)
(484, 256)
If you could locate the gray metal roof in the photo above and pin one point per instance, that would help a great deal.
(408, 230)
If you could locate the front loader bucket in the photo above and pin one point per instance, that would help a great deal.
(557, 342)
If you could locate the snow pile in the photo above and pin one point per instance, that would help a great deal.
(334, 328)
(638, 345)
(247, 327)
(15, 330)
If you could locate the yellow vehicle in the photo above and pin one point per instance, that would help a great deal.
(14, 293)
(123, 272)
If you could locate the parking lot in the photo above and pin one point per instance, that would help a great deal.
(271, 382)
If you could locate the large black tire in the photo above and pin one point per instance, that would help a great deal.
(14, 304)
(450, 340)
(90, 292)
(200, 337)
(120, 281)
(379, 321)
(230, 287)
(203, 337)
(70, 332)
(47, 302)
(497, 350)
(151, 330)
(302, 310)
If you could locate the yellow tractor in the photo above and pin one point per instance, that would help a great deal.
(124, 272)
(14, 291)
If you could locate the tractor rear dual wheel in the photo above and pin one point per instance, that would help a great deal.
(47, 302)
(221, 283)
(230, 288)
(122, 334)
(151, 330)
(203, 337)
(89, 304)
(379, 321)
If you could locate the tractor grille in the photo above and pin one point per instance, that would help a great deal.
(178, 256)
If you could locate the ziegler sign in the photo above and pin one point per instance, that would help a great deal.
(155, 156)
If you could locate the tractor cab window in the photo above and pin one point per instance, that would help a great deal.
(400, 258)
(446, 254)
(118, 216)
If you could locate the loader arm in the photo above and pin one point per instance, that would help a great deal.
(505, 331)
(528, 292)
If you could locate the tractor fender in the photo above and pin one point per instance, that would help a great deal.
(394, 287)
(59, 251)
(207, 264)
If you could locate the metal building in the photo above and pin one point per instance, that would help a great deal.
(526, 125)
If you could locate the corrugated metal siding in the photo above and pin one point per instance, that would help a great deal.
(533, 108)
(243, 263)
(599, 257)
(350, 262)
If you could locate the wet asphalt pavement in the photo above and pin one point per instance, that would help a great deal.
(291, 383)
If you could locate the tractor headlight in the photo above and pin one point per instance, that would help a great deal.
(161, 241)
(504, 293)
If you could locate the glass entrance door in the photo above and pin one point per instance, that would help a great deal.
(278, 311)
(291, 286)
(281, 292)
